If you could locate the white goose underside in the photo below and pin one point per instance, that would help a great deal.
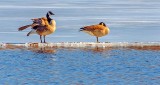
(90, 33)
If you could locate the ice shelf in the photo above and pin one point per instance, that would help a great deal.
(83, 45)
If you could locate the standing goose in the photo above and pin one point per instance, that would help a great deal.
(47, 29)
(98, 30)
(41, 26)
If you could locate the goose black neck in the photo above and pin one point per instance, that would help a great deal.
(48, 18)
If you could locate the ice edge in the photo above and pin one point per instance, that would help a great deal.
(82, 44)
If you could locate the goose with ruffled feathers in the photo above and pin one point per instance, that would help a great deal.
(41, 26)
(97, 30)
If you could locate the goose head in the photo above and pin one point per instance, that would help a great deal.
(49, 13)
(102, 23)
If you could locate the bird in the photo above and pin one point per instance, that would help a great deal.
(97, 30)
(41, 26)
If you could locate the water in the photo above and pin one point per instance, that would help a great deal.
(128, 20)
(79, 67)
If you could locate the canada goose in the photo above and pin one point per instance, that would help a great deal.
(98, 30)
(41, 26)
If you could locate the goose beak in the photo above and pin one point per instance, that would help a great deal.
(81, 29)
(51, 13)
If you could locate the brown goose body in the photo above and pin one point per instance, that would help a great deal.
(41, 26)
(45, 28)
(98, 30)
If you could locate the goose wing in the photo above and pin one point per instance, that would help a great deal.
(36, 22)
(23, 27)
(41, 28)
(92, 28)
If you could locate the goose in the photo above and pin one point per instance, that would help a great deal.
(41, 26)
(97, 30)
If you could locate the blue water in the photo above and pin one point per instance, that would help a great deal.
(128, 20)
(80, 67)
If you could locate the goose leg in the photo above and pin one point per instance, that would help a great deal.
(41, 38)
(97, 40)
(44, 39)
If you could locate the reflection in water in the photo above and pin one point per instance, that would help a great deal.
(33, 47)
(145, 48)
(97, 49)
(43, 50)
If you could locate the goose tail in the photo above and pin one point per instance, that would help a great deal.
(23, 27)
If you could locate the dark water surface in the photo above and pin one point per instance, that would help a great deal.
(79, 67)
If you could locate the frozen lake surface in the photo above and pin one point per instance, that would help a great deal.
(128, 20)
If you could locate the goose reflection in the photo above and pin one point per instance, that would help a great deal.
(97, 49)
(43, 50)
